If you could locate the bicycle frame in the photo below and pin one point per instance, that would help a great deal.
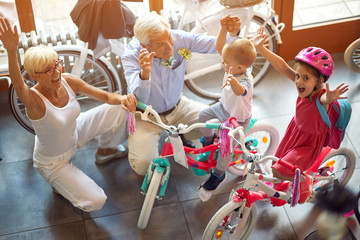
(162, 165)
(257, 180)
(254, 179)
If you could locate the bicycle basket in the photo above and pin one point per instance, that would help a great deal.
(239, 3)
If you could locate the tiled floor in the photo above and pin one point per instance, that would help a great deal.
(30, 210)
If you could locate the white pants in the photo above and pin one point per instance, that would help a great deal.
(143, 145)
(108, 121)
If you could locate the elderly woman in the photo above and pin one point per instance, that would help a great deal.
(60, 128)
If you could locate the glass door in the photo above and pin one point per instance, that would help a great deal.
(329, 24)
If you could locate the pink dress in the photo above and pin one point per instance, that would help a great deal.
(304, 137)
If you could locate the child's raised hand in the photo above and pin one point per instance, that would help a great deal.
(332, 95)
(259, 39)
(230, 77)
(231, 24)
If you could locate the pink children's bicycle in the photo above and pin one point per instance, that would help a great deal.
(258, 138)
(237, 218)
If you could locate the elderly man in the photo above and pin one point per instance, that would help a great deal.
(155, 72)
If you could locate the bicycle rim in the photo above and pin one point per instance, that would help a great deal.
(223, 224)
(342, 161)
(212, 90)
(94, 73)
(352, 56)
(263, 138)
(149, 199)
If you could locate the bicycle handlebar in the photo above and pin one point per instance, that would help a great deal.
(182, 128)
(279, 161)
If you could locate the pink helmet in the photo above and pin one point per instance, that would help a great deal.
(318, 58)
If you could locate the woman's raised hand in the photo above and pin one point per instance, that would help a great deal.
(8, 36)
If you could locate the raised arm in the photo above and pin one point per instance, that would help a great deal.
(10, 39)
(276, 61)
(332, 95)
(229, 24)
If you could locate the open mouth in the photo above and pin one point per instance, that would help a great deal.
(301, 90)
(56, 80)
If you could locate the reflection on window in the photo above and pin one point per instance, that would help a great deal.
(307, 12)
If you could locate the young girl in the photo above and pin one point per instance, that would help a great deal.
(305, 135)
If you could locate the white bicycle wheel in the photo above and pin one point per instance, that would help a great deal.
(263, 138)
(211, 63)
(343, 161)
(95, 73)
(149, 199)
(352, 56)
(224, 224)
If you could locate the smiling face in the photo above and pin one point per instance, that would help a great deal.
(50, 76)
(162, 44)
(306, 80)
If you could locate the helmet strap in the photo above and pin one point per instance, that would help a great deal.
(315, 88)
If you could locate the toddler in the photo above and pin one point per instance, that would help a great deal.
(237, 91)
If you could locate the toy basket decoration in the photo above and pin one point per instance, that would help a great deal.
(239, 3)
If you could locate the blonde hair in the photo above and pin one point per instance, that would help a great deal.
(148, 25)
(243, 51)
(37, 58)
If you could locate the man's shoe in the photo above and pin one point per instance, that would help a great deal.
(121, 152)
(186, 142)
(210, 185)
(204, 143)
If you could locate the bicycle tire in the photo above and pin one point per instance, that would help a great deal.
(267, 140)
(356, 208)
(95, 73)
(201, 87)
(344, 166)
(352, 56)
(149, 199)
(230, 211)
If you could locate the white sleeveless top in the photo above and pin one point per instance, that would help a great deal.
(56, 130)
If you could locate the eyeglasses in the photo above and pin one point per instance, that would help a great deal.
(51, 71)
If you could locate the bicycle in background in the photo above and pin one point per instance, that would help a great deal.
(103, 68)
(352, 56)
(203, 16)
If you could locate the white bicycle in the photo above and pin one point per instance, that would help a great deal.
(252, 13)
(106, 71)
(352, 55)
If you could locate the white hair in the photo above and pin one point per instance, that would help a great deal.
(37, 58)
(150, 24)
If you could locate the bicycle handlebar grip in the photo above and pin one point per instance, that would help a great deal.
(141, 105)
(233, 121)
(287, 165)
